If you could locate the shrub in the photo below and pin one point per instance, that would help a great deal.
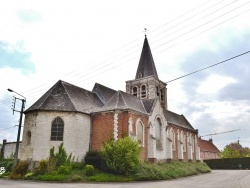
(171, 170)
(77, 165)
(121, 156)
(76, 178)
(8, 164)
(42, 167)
(20, 170)
(94, 158)
(58, 159)
(64, 169)
(89, 170)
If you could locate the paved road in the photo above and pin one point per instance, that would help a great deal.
(216, 179)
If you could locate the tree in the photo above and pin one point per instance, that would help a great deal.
(235, 150)
(121, 156)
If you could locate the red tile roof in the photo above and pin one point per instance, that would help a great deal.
(207, 145)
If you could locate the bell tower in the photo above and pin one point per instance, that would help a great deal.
(146, 84)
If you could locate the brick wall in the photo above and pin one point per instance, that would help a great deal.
(103, 128)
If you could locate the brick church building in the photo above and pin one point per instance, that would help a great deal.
(83, 120)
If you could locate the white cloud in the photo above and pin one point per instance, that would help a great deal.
(213, 83)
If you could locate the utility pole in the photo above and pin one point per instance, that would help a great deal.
(19, 126)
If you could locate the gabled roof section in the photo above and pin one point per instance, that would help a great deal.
(104, 93)
(124, 101)
(148, 104)
(146, 65)
(67, 97)
(178, 120)
(208, 146)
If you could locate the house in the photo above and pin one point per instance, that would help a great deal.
(83, 120)
(208, 150)
(8, 149)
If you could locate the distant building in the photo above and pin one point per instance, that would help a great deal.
(208, 149)
(8, 149)
(83, 120)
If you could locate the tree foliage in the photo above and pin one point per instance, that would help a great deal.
(235, 150)
(121, 156)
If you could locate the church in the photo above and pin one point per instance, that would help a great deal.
(83, 120)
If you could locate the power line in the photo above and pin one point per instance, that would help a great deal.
(109, 64)
(208, 67)
(8, 128)
(153, 31)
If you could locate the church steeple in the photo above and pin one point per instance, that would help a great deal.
(146, 84)
(146, 65)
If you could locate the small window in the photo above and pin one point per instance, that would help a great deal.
(28, 138)
(143, 91)
(162, 94)
(140, 75)
(135, 91)
(157, 91)
(57, 129)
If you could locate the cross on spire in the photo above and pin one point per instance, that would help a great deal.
(145, 30)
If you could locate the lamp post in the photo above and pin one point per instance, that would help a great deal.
(19, 126)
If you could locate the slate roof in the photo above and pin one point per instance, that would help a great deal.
(208, 146)
(104, 93)
(146, 65)
(177, 119)
(67, 97)
(148, 104)
(124, 101)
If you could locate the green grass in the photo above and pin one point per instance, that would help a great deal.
(166, 171)
(144, 172)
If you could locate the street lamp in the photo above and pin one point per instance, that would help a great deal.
(19, 126)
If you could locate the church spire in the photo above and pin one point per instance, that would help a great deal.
(146, 65)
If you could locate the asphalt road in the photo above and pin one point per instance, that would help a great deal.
(216, 179)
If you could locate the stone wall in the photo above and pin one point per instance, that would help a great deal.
(37, 134)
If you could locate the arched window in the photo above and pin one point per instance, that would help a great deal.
(158, 130)
(57, 129)
(135, 91)
(172, 137)
(183, 140)
(191, 141)
(143, 91)
(157, 91)
(140, 133)
(28, 135)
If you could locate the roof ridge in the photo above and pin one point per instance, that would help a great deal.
(69, 95)
(125, 102)
(51, 89)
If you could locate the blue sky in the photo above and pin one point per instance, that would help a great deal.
(86, 42)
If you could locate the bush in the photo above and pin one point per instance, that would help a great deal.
(42, 167)
(20, 170)
(64, 169)
(164, 171)
(94, 158)
(58, 159)
(8, 164)
(89, 170)
(121, 156)
(77, 166)
(76, 178)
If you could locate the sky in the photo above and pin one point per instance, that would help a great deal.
(83, 42)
